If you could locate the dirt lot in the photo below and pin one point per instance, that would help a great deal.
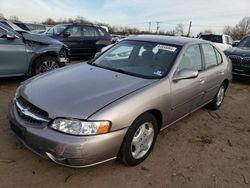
(206, 149)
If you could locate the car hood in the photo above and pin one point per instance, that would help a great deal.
(241, 51)
(40, 38)
(80, 90)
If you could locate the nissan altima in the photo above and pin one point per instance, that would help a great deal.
(115, 105)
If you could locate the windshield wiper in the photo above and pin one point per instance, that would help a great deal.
(112, 69)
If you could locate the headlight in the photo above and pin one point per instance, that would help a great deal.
(17, 92)
(77, 127)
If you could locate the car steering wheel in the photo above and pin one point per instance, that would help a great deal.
(160, 67)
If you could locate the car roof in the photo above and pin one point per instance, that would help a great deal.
(174, 40)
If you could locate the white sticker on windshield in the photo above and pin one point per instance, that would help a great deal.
(165, 47)
(158, 73)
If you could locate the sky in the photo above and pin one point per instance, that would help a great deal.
(204, 14)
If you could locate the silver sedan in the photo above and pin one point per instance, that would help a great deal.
(115, 105)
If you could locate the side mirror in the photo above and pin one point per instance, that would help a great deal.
(234, 44)
(185, 74)
(66, 34)
(10, 35)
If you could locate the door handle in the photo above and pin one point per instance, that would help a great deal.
(222, 72)
(202, 81)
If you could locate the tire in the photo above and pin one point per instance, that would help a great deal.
(44, 64)
(145, 124)
(218, 99)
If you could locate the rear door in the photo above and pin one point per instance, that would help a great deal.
(89, 42)
(13, 56)
(187, 94)
(74, 41)
(213, 73)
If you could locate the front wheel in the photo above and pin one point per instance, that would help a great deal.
(44, 64)
(139, 140)
(218, 99)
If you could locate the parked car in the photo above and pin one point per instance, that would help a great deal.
(22, 53)
(82, 39)
(223, 42)
(86, 114)
(240, 57)
(17, 26)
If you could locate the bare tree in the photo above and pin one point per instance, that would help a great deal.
(49, 21)
(239, 30)
(208, 31)
(80, 19)
(228, 30)
(242, 28)
(179, 29)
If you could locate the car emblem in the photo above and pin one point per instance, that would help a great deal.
(24, 110)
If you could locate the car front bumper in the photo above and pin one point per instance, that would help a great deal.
(64, 149)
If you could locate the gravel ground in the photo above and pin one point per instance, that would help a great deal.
(206, 149)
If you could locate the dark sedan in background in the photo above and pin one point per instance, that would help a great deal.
(23, 53)
(240, 57)
(82, 39)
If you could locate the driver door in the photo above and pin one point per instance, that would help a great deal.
(13, 57)
(186, 94)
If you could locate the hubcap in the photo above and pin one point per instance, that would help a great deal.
(48, 65)
(142, 140)
(220, 96)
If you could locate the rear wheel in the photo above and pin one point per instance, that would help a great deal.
(44, 64)
(218, 99)
(139, 140)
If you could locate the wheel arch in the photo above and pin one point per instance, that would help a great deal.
(34, 59)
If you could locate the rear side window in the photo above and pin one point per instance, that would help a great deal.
(209, 56)
(219, 57)
(89, 31)
(191, 59)
(75, 31)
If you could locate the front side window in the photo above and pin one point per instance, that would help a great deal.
(2, 33)
(191, 59)
(209, 55)
(56, 30)
(141, 59)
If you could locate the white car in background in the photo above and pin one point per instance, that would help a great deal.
(222, 41)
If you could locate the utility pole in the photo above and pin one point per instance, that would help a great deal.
(157, 26)
(149, 26)
(189, 29)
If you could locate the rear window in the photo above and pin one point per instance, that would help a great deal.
(212, 38)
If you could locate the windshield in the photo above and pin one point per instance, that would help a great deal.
(212, 38)
(244, 42)
(56, 30)
(141, 59)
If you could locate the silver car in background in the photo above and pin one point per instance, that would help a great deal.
(115, 105)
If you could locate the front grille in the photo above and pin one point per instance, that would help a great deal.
(33, 110)
(240, 61)
(246, 62)
(236, 60)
